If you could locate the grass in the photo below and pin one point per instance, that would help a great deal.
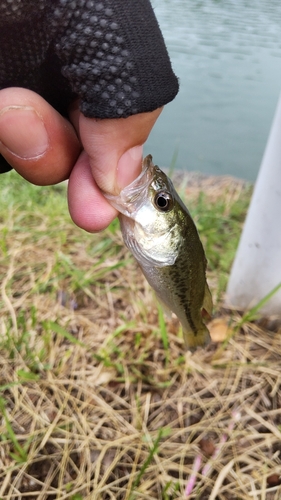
(98, 399)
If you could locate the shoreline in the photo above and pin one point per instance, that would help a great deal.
(193, 183)
(194, 178)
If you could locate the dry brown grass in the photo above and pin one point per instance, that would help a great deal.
(94, 407)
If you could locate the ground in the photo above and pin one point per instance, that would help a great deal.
(98, 397)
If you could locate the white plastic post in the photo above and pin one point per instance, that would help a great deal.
(257, 265)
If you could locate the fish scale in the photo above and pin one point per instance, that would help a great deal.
(160, 232)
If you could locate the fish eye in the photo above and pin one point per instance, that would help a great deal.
(163, 201)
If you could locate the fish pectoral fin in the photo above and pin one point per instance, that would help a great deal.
(140, 256)
(165, 308)
(148, 257)
(207, 307)
(201, 339)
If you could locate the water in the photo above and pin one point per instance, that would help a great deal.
(227, 55)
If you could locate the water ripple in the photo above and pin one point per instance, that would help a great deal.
(226, 54)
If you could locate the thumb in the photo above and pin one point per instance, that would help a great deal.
(114, 147)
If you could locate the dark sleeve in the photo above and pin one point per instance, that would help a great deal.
(109, 53)
(115, 58)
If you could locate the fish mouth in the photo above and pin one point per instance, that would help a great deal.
(133, 196)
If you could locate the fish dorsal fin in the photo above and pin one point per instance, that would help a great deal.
(208, 301)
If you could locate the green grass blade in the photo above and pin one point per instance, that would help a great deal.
(163, 328)
(21, 454)
(51, 325)
(252, 313)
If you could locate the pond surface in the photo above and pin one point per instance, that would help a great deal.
(227, 55)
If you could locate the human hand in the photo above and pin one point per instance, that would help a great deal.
(46, 148)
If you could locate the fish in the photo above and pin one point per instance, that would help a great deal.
(159, 231)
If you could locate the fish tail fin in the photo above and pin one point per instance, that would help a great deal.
(201, 339)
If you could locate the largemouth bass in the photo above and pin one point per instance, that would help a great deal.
(158, 229)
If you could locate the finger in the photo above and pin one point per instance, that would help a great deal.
(115, 147)
(34, 138)
(87, 206)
